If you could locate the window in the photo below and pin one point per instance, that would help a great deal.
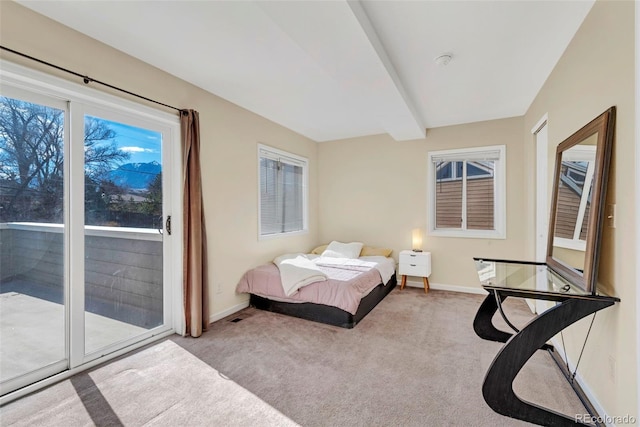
(574, 197)
(283, 192)
(467, 192)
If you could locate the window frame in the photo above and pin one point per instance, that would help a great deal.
(293, 159)
(499, 206)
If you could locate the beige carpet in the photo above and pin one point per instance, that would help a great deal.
(413, 361)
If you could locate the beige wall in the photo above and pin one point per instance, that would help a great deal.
(374, 190)
(229, 141)
(596, 72)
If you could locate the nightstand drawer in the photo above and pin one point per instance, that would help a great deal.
(416, 264)
(416, 258)
(414, 270)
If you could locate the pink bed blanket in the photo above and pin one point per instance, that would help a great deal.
(345, 287)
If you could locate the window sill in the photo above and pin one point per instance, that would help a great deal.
(279, 235)
(469, 234)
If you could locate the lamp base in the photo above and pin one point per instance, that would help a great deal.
(416, 250)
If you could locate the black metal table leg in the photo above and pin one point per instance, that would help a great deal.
(482, 324)
(497, 388)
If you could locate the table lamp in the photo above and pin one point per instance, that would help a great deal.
(416, 240)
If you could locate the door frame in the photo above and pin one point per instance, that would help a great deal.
(540, 134)
(39, 83)
(169, 132)
(637, 194)
(541, 140)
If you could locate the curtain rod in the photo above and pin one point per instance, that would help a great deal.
(87, 79)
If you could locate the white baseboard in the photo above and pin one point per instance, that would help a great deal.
(446, 287)
(583, 385)
(229, 311)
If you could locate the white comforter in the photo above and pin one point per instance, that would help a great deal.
(299, 270)
(386, 266)
(296, 271)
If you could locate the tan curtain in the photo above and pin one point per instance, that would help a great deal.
(194, 267)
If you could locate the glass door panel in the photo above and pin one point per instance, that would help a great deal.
(85, 186)
(123, 244)
(32, 239)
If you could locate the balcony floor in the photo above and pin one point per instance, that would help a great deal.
(32, 332)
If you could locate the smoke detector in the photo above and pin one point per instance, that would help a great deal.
(443, 59)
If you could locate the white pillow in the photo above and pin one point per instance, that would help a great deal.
(343, 250)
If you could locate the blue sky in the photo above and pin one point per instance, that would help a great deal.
(143, 145)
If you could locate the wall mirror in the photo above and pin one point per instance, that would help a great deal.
(578, 202)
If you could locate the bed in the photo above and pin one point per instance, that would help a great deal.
(341, 289)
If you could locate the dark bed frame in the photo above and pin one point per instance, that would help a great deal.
(326, 313)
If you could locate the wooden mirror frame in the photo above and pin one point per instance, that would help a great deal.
(604, 126)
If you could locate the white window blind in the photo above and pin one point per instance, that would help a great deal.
(282, 192)
(462, 155)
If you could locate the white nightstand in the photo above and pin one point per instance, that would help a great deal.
(416, 264)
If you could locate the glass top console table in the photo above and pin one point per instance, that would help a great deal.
(503, 279)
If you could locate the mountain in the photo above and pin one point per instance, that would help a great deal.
(135, 176)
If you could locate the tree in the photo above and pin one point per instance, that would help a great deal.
(32, 159)
(99, 157)
(153, 200)
(99, 197)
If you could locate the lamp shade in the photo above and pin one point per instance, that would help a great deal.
(416, 239)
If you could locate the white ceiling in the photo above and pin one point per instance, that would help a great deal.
(340, 69)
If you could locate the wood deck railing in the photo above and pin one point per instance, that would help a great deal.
(123, 267)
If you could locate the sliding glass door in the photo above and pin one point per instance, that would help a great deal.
(85, 193)
(33, 328)
(123, 235)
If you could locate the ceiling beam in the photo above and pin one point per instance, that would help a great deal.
(404, 126)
